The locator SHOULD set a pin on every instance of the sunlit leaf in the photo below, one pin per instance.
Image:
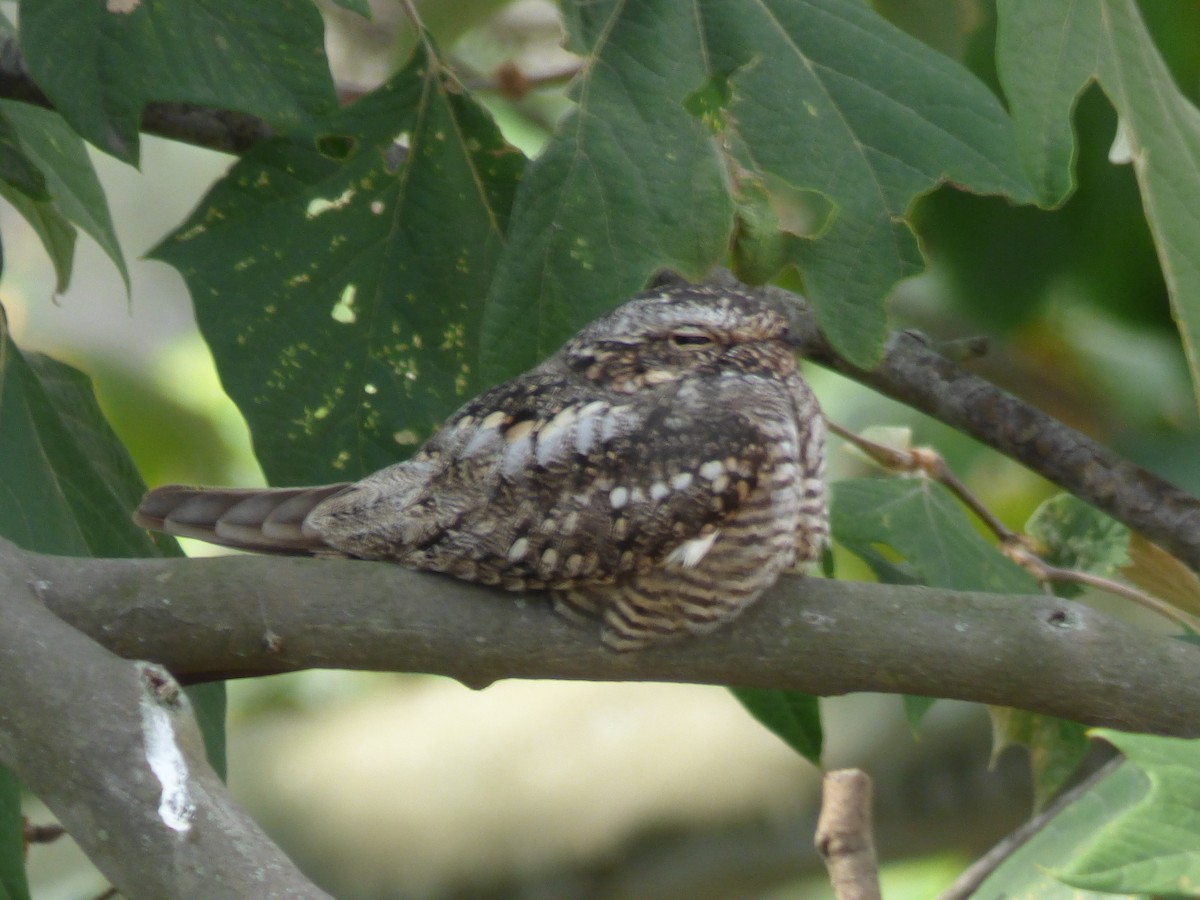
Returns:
(1027, 872)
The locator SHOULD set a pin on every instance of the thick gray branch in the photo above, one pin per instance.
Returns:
(112, 748)
(229, 617)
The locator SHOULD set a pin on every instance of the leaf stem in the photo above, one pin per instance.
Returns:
(1017, 547)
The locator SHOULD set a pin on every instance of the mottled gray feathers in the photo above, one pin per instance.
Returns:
(658, 472)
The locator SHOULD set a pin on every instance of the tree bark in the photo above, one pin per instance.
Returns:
(238, 616)
(112, 748)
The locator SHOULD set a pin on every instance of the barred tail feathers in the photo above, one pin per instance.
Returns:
(269, 520)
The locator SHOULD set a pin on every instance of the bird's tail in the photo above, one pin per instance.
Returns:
(267, 520)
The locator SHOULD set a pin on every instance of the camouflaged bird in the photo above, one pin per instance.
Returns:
(658, 473)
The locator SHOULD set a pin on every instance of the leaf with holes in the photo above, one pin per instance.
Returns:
(840, 118)
(339, 276)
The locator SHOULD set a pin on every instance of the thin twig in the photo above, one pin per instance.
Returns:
(1017, 547)
(969, 881)
(410, 10)
(510, 82)
(43, 834)
(845, 837)
(1045, 572)
(930, 463)
(915, 374)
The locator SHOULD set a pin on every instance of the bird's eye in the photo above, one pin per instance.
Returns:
(690, 338)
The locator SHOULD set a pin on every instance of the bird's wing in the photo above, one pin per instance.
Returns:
(597, 489)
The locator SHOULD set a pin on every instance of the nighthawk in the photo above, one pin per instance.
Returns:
(657, 473)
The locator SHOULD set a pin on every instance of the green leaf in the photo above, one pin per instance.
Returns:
(793, 716)
(1056, 747)
(13, 883)
(77, 486)
(1151, 845)
(17, 170)
(341, 291)
(820, 98)
(921, 521)
(71, 179)
(266, 59)
(52, 228)
(1074, 534)
(1047, 52)
(1045, 57)
(1071, 534)
(208, 703)
(74, 485)
(829, 97)
(362, 7)
(915, 708)
(630, 183)
(1026, 873)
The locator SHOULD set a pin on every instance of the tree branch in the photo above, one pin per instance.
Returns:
(240, 616)
(112, 748)
(845, 835)
(216, 129)
(915, 374)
